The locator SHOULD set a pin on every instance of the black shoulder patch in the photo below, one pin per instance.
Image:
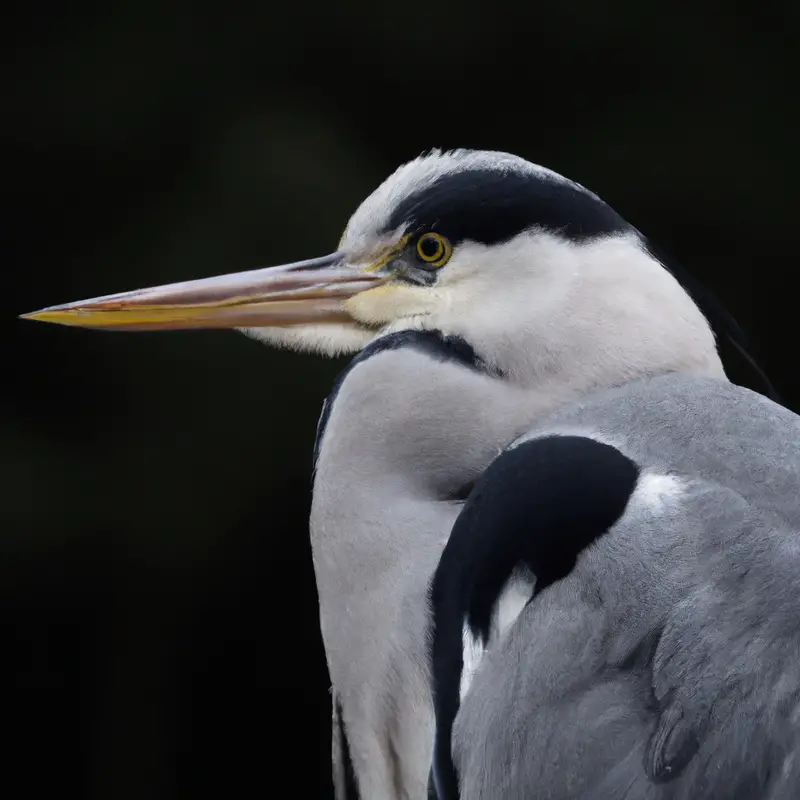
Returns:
(538, 505)
(433, 343)
(492, 205)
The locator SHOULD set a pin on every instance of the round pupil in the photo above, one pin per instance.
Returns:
(430, 247)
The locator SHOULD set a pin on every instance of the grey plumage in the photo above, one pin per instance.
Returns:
(492, 301)
(666, 664)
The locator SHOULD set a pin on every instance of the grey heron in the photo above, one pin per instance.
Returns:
(557, 550)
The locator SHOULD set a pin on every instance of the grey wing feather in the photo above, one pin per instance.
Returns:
(561, 709)
(624, 781)
(709, 709)
(726, 675)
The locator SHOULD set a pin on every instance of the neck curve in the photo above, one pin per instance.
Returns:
(411, 422)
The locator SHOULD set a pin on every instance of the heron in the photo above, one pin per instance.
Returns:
(557, 549)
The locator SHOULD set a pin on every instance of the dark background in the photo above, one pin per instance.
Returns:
(157, 599)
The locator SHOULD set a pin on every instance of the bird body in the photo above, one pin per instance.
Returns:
(554, 545)
(664, 662)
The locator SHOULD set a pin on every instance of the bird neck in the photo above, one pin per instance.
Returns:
(412, 422)
(409, 425)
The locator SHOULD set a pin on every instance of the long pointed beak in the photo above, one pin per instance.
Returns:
(292, 294)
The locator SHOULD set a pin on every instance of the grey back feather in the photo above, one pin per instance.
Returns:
(667, 665)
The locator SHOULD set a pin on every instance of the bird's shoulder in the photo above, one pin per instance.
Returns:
(610, 460)
(664, 518)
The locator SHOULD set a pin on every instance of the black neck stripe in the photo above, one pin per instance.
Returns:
(350, 782)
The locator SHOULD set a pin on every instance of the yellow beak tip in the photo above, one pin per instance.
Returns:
(43, 315)
(34, 315)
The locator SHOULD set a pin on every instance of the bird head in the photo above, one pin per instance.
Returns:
(530, 268)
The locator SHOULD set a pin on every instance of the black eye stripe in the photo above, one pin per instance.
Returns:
(491, 206)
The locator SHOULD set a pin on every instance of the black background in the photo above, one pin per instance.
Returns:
(157, 599)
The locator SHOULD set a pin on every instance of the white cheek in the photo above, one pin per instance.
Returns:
(327, 340)
(387, 304)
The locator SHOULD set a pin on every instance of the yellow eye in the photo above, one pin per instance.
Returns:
(434, 249)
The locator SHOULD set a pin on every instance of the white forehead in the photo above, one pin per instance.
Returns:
(376, 210)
